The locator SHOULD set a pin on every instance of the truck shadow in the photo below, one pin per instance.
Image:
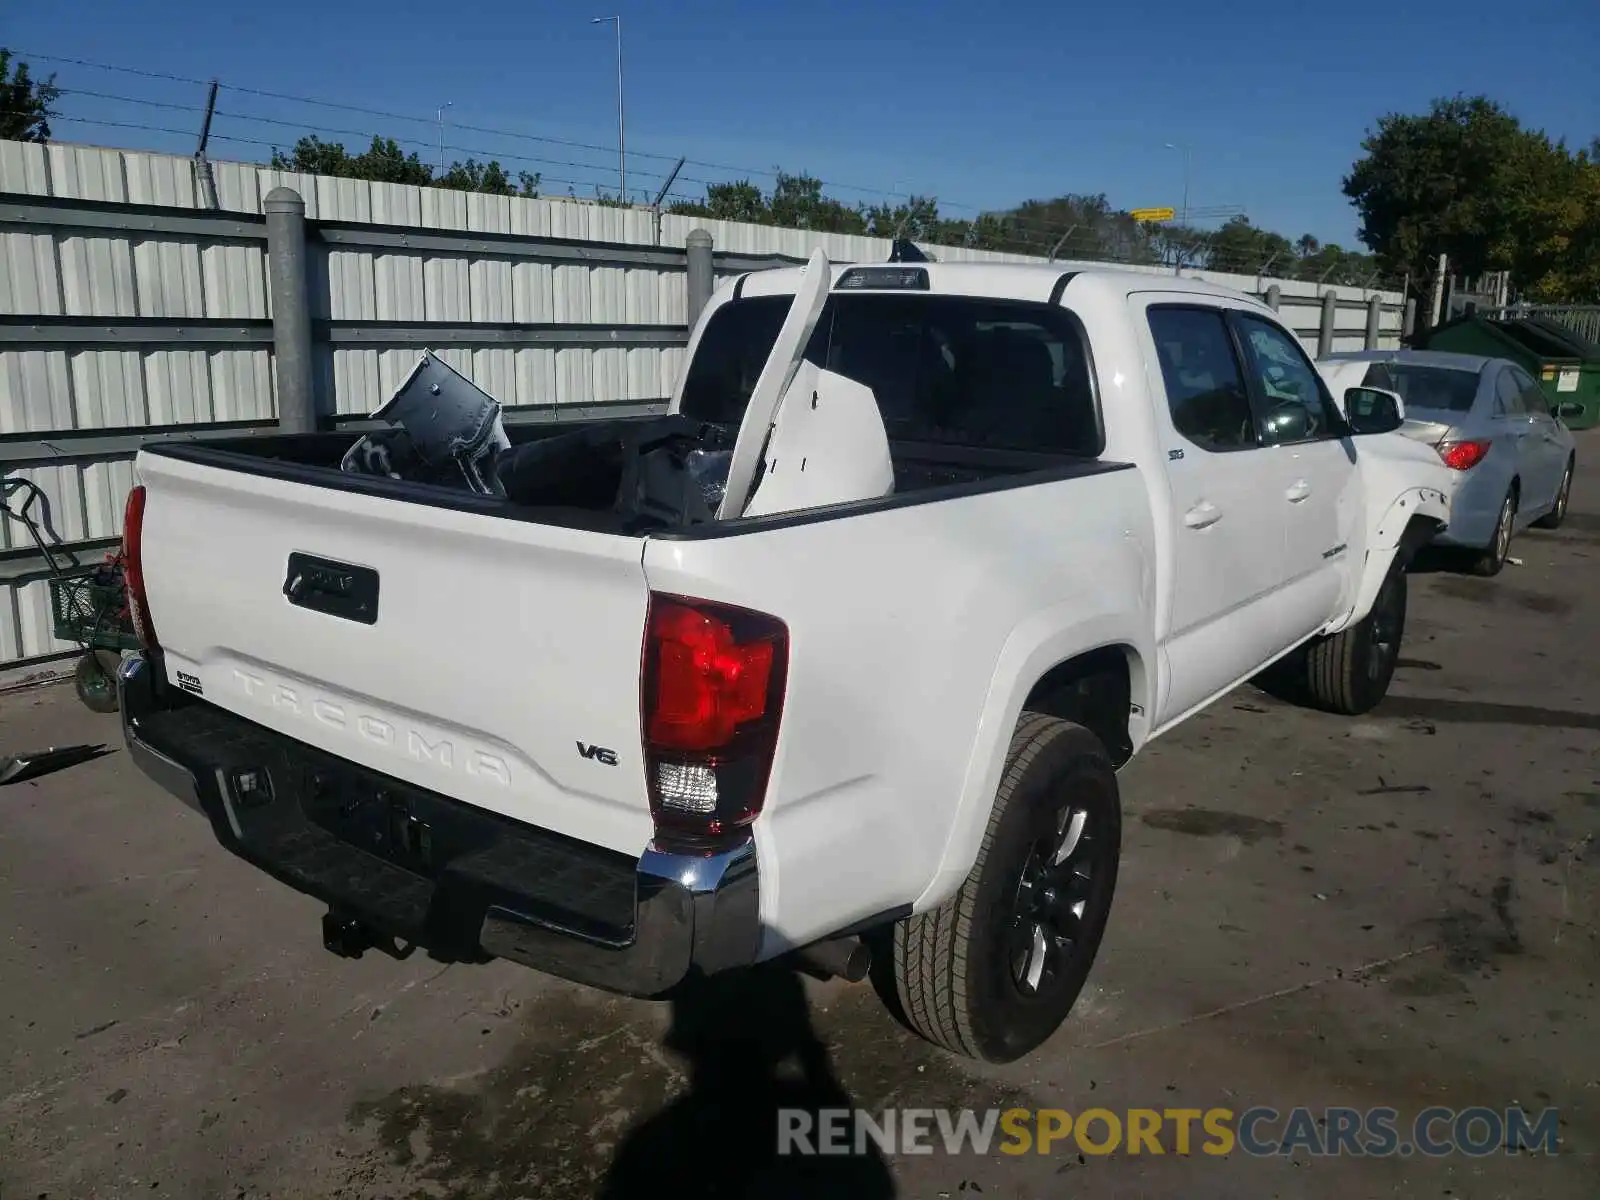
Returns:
(754, 1061)
(1477, 712)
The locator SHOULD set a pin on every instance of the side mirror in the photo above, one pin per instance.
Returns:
(1374, 410)
(1289, 421)
(1568, 409)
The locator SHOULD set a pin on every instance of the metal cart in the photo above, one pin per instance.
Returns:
(88, 604)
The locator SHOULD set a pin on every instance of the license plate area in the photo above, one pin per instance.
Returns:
(394, 822)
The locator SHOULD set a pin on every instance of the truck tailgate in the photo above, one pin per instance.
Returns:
(498, 664)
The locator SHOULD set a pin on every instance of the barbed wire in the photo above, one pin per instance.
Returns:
(97, 122)
(742, 171)
(1105, 236)
(768, 173)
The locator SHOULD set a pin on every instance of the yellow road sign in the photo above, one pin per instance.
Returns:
(1153, 214)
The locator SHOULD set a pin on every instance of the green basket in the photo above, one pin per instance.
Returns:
(92, 614)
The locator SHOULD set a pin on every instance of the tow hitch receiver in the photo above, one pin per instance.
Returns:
(348, 937)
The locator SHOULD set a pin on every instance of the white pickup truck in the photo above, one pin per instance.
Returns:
(872, 703)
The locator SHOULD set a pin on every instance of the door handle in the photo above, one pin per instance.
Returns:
(1201, 515)
(1298, 491)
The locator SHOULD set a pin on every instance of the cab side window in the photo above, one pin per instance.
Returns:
(1205, 388)
(1297, 406)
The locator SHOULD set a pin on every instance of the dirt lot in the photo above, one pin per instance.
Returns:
(1394, 911)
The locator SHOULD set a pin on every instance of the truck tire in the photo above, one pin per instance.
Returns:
(993, 971)
(1349, 672)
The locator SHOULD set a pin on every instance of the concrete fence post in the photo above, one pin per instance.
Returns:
(291, 309)
(1274, 296)
(1374, 321)
(1408, 325)
(1330, 317)
(702, 277)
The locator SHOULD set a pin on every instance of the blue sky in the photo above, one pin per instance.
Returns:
(982, 105)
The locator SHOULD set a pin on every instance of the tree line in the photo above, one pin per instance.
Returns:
(385, 162)
(1465, 179)
(1067, 227)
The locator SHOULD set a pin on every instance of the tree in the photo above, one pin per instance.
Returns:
(490, 177)
(916, 219)
(741, 201)
(26, 104)
(1242, 248)
(385, 162)
(798, 202)
(1468, 181)
(382, 162)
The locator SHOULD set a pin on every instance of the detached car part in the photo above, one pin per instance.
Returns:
(20, 768)
(449, 431)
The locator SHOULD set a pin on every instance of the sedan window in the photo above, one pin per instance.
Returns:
(1534, 400)
(1440, 389)
(1507, 395)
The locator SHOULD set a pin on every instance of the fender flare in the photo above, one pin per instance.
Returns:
(1035, 646)
(1414, 518)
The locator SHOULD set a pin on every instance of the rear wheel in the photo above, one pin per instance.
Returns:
(1493, 558)
(996, 969)
(1349, 672)
(1558, 514)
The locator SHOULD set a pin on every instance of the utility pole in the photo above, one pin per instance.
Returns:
(1436, 309)
(622, 129)
(442, 107)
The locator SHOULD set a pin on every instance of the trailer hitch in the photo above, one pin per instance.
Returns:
(350, 937)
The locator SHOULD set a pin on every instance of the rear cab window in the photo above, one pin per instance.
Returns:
(956, 370)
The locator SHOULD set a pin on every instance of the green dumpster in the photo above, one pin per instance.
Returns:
(1564, 362)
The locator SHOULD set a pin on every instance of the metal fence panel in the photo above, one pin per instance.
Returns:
(93, 313)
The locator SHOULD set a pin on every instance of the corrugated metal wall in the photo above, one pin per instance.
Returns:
(132, 273)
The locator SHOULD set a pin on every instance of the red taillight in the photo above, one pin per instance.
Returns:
(1462, 456)
(133, 568)
(711, 698)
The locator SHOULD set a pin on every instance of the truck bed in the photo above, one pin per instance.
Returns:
(494, 661)
(589, 494)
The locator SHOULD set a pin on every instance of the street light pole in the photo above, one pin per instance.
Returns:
(1187, 158)
(622, 135)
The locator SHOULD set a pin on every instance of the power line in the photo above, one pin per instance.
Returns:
(307, 128)
(228, 137)
(393, 116)
(79, 62)
(301, 126)
(1018, 231)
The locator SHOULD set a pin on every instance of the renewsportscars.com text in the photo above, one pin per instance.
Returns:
(1258, 1131)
